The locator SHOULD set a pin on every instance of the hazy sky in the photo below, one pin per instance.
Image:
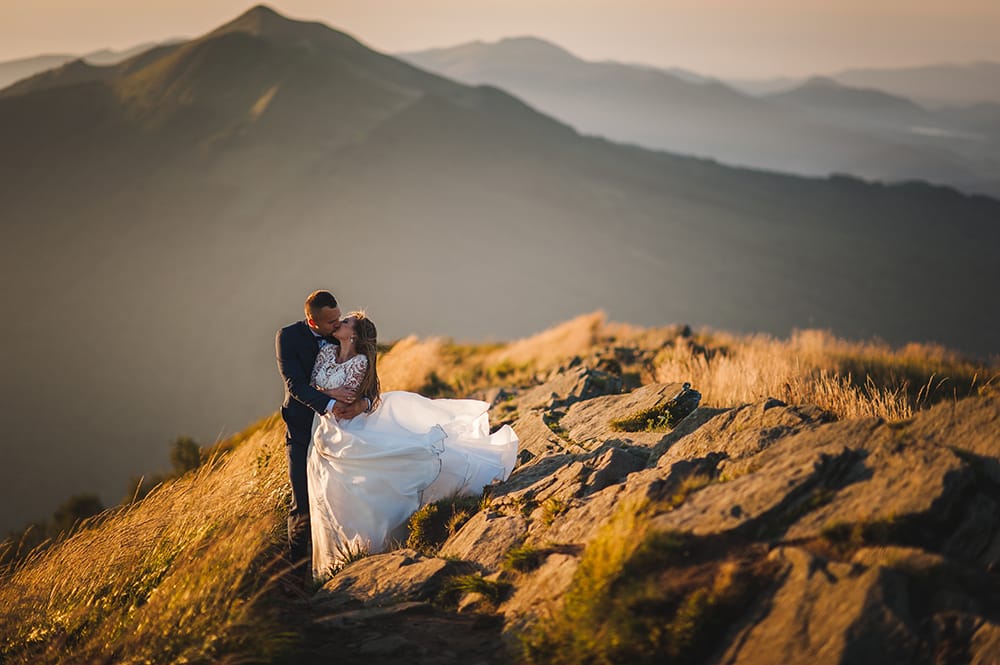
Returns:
(717, 37)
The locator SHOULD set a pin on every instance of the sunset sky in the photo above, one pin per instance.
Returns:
(730, 38)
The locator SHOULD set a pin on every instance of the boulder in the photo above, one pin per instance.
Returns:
(740, 432)
(689, 424)
(393, 577)
(910, 487)
(970, 425)
(539, 593)
(569, 386)
(485, 539)
(825, 612)
(565, 477)
(757, 496)
(537, 437)
(588, 423)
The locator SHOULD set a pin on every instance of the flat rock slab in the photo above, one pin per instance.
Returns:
(828, 613)
(764, 488)
(562, 478)
(393, 577)
(568, 387)
(485, 539)
(588, 423)
(539, 594)
(859, 472)
(743, 431)
(693, 421)
(582, 520)
(971, 425)
(538, 438)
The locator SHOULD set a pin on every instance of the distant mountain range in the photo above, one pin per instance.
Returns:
(933, 86)
(860, 122)
(815, 127)
(15, 70)
(163, 216)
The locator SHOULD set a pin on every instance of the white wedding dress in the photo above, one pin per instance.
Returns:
(367, 475)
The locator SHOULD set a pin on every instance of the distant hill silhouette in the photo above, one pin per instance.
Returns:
(934, 85)
(15, 70)
(816, 127)
(826, 95)
(165, 215)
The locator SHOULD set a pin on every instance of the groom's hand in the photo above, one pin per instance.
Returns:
(347, 411)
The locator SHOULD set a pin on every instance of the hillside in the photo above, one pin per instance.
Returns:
(945, 84)
(12, 71)
(165, 215)
(816, 128)
(853, 516)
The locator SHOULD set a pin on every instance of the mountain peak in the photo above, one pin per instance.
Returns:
(258, 20)
(822, 82)
(533, 46)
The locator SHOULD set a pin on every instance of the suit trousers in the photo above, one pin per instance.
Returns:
(299, 538)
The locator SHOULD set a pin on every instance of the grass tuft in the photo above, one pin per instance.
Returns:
(433, 524)
(454, 588)
(653, 419)
(523, 558)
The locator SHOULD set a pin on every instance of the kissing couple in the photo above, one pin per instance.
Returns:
(360, 461)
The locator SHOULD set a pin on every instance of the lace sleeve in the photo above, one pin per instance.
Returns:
(356, 372)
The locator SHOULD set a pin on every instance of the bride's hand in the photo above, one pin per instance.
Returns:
(340, 394)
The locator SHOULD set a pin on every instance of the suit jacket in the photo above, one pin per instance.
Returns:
(297, 348)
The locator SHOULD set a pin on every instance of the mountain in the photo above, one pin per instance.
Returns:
(932, 85)
(812, 128)
(15, 70)
(825, 95)
(165, 215)
(765, 86)
(680, 527)
(966, 138)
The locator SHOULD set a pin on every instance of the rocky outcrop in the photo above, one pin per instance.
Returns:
(853, 541)
(383, 579)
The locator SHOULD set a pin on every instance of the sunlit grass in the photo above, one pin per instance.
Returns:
(851, 379)
(175, 577)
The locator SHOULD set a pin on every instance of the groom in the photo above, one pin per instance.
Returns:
(297, 346)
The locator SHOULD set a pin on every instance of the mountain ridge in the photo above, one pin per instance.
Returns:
(868, 133)
(446, 209)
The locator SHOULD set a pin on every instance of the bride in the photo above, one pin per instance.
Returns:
(367, 475)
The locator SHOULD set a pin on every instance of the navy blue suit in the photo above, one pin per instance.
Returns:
(297, 347)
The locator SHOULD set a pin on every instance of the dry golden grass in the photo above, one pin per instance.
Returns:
(852, 379)
(409, 363)
(550, 348)
(172, 578)
(444, 368)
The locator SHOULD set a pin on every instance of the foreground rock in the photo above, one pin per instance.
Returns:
(384, 579)
(763, 533)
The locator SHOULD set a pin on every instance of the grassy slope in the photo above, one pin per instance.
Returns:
(185, 574)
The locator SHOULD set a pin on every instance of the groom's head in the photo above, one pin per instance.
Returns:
(322, 312)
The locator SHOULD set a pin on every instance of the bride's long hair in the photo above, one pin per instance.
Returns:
(366, 342)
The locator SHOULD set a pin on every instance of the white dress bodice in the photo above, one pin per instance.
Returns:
(328, 373)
